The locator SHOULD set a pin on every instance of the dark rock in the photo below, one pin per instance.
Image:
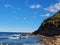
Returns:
(50, 26)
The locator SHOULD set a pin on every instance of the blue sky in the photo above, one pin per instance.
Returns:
(25, 15)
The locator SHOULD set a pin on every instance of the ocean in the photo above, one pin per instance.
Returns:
(15, 38)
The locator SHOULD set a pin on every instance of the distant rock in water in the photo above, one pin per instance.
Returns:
(50, 26)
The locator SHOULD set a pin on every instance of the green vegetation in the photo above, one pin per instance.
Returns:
(50, 26)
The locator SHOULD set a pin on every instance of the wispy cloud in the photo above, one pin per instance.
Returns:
(11, 6)
(35, 6)
(45, 15)
(53, 8)
(8, 6)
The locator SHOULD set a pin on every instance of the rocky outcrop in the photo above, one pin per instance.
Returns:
(50, 26)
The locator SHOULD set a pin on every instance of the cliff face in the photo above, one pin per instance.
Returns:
(50, 26)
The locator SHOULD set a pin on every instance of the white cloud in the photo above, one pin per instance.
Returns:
(38, 6)
(46, 15)
(53, 8)
(35, 6)
(8, 6)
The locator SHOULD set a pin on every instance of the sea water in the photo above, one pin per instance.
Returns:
(5, 38)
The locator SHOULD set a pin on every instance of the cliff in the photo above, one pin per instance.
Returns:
(50, 26)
